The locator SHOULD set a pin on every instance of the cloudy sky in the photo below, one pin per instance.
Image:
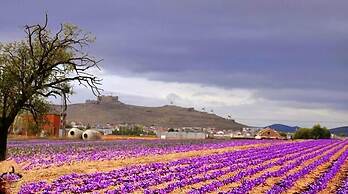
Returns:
(262, 62)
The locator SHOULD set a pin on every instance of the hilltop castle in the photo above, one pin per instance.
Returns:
(105, 100)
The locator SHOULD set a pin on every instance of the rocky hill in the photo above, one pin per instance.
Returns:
(113, 111)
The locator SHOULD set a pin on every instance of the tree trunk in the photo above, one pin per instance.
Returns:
(3, 139)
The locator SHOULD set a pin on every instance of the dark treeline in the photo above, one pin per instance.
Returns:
(134, 131)
(316, 132)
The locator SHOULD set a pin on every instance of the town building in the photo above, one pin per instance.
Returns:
(24, 124)
(181, 135)
(51, 124)
(268, 133)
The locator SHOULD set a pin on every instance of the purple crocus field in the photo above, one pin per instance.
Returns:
(40, 154)
(264, 166)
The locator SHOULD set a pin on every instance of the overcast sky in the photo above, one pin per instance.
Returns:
(262, 62)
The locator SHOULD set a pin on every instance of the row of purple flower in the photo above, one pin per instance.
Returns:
(44, 154)
(179, 174)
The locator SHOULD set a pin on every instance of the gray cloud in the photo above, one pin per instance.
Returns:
(274, 47)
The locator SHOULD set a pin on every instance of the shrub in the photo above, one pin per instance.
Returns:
(303, 133)
(317, 132)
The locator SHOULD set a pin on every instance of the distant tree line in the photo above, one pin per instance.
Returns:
(132, 131)
(316, 132)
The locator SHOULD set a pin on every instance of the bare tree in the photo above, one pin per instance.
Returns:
(42, 65)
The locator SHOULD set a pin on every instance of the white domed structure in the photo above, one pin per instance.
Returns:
(91, 135)
(75, 133)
